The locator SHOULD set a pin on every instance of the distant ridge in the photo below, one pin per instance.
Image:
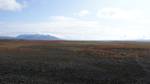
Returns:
(36, 37)
(30, 37)
(6, 38)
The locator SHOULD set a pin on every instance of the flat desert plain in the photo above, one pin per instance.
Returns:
(74, 62)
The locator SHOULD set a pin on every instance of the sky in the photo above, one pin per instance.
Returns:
(77, 19)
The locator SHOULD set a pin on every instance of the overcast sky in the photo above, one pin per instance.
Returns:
(77, 19)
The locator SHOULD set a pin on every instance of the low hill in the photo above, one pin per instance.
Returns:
(36, 37)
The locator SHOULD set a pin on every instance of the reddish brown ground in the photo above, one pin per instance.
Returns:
(74, 62)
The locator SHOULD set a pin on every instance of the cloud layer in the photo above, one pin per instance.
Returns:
(120, 14)
(83, 13)
(10, 5)
(78, 29)
(106, 24)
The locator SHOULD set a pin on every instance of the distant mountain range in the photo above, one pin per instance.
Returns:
(6, 37)
(30, 37)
